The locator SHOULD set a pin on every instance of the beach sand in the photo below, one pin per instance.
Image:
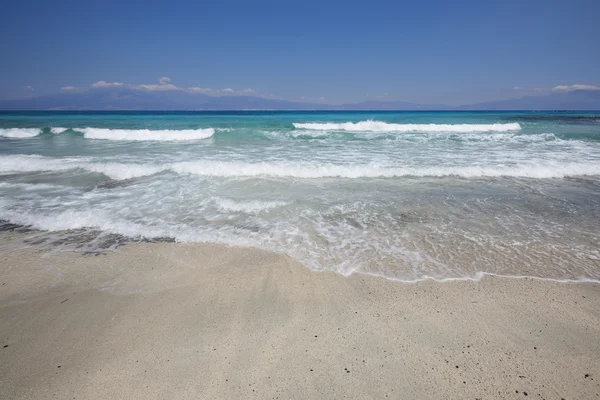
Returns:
(166, 320)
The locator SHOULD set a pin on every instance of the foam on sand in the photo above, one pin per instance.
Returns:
(378, 126)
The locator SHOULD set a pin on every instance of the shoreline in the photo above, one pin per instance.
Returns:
(111, 243)
(156, 320)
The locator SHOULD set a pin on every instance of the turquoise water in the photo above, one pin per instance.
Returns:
(404, 195)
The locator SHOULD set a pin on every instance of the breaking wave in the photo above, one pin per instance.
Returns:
(378, 126)
(35, 163)
(19, 133)
(302, 170)
(146, 134)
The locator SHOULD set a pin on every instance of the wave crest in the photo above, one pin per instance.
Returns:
(19, 133)
(35, 163)
(302, 170)
(379, 126)
(146, 134)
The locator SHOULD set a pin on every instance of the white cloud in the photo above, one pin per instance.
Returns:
(67, 88)
(201, 90)
(569, 88)
(220, 92)
(102, 84)
(154, 86)
(517, 88)
(164, 84)
(29, 88)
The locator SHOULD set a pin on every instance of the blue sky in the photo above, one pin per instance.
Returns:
(331, 51)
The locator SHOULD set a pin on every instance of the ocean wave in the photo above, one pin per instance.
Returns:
(30, 187)
(379, 126)
(19, 133)
(58, 131)
(313, 171)
(476, 138)
(146, 134)
(302, 170)
(35, 163)
(75, 219)
(118, 171)
(420, 137)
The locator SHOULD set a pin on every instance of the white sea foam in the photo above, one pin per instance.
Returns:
(251, 206)
(476, 138)
(106, 221)
(30, 187)
(146, 134)
(120, 171)
(344, 256)
(424, 137)
(343, 199)
(478, 276)
(309, 170)
(34, 163)
(233, 169)
(72, 219)
(19, 133)
(378, 126)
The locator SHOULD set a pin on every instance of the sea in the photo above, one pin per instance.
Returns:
(402, 195)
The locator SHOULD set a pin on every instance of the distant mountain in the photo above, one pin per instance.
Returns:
(132, 99)
(390, 105)
(135, 99)
(574, 100)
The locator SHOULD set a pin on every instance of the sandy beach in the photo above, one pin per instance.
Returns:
(300, 200)
(206, 321)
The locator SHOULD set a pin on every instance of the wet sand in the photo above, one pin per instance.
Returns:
(166, 320)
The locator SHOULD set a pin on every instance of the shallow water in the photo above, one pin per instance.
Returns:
(404, 195)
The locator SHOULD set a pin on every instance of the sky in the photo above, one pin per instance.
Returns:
(436, 52)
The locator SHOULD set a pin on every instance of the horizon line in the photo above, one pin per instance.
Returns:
(561, 110)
